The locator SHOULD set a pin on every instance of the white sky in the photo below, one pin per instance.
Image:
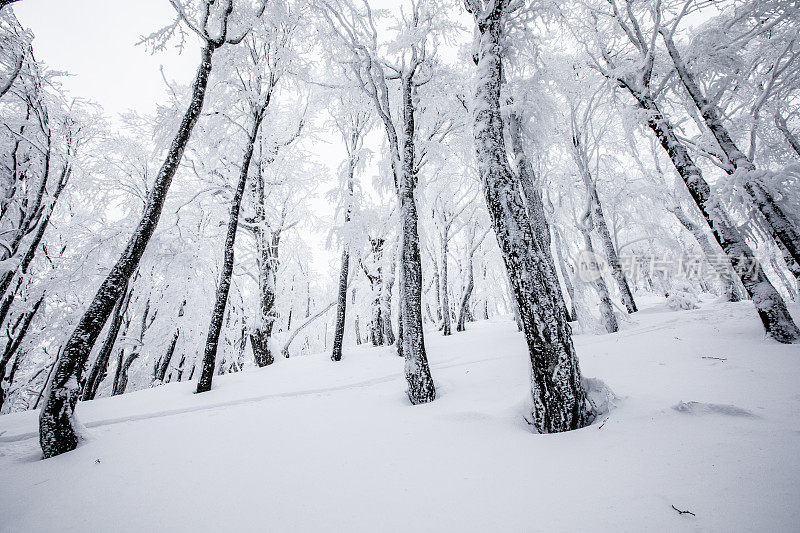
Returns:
(94, 40)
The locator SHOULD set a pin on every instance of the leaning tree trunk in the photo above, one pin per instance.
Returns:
(418, 374)
(780, 122)
(770, 306)
(781, 228)
(727, 282)
(463, 311)
(533, 200)
(100, 366)
(606, 307)
(20, 330)
(341, 306)
(218, 314)
(57, 433)
(599, 222)
(559, 401)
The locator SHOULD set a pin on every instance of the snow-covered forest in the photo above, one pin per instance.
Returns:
(474, 265)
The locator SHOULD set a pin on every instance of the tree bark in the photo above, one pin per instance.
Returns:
(341, 306)
(559, 401)
(444, 237)
(221, 300)
(607, 315)
(100, 366)
(770, 306)
(780, 123)
(418, 375)
(533, 199)
(57, 432)
(781, 228)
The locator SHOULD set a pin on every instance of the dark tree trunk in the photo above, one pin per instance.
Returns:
(533, 200)
(780, 122)
(444, 238)
(121, 377)
(100, 366)
(163, 365)
(559, 401)
(341, 306)
(771, 308)
(418, 375)
(14, 343)
(781, 228)
(56, 422)
(218, 314)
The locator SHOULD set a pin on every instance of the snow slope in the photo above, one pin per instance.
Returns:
(312, 445)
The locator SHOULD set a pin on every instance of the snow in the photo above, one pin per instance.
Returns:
(705, 420)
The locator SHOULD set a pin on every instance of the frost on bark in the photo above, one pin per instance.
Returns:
(783, 231)
(599, 219)
(607, 315)
(418, 374)
(710, 249)
(218, 313)
(374, 274)
(57, 432)
(341, 306)
(446, 323)
(100, 365)
(559, 401)
(790, 137)
(531, 192)
(771, 308)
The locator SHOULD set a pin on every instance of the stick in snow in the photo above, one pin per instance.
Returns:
(683, 512)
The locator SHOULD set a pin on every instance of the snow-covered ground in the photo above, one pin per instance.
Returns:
(708, 421)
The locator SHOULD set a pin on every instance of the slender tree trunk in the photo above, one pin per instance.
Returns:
(100, 366)
(606, 307)
(386, 305)
(599, 223)
(464, 309)
(780, 122)
(420, 384)
(782, 229)
(338, 334)
(710, 249)
(57, 432)
(771, 308)
(559, 401)
(533, 199)
(567, 276)
(121, 379)
(14, 343)
(444, 237)
(218, 314)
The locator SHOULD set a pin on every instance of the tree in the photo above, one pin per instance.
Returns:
(636, 79)
(57, 432)
(559, 401)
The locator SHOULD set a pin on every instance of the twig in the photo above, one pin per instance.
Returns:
(683, 512)
(717, 358)
(603, 424)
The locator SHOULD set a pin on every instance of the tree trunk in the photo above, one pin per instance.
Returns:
(100, 366)
(418, 376)
(533, 200)
(599, 222)
(727, 282)
(218, 314)
(386, 305)
(771, 308)
(780, 122)
(781, 228)
(559, 401)
(121, 378)
(463, 311)
(341, 305)
(567, 276)
(14, 343)
(606, 307)
(56, 422)
(444, 237)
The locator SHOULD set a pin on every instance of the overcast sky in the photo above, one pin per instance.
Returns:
(94, 40)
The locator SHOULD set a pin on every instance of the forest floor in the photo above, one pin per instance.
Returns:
(706, 420)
